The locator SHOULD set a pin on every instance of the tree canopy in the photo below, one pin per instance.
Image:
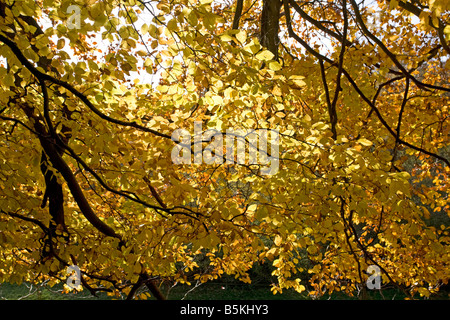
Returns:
(357, 93)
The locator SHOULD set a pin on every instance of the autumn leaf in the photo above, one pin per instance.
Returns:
(330, 146)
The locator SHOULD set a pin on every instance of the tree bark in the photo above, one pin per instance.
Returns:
(270, 25)
(238, 13)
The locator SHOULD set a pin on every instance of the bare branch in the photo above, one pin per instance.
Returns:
(389, 53)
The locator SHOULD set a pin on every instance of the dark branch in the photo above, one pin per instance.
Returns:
(238, 14)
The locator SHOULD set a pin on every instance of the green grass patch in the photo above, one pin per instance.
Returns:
(214, 290)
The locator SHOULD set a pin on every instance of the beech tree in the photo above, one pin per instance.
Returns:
(91, 93)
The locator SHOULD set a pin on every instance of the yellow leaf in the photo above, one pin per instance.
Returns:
(424, 292)
(274, 65)
(137, 268)
(277, 263)
(217, 100)
(311, 249)
(365, 142)
(61, 43)
(264, 55)
(144, 29)
(393, 4)
(172, 25)
(394, 37)
(277, 240)
(226, 37)
(447, 32)
(299, 83)
(192, 18)
(8, 80)
(241, 36)
(300, 288)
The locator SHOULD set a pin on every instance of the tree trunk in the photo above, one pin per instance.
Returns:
(270, 21)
